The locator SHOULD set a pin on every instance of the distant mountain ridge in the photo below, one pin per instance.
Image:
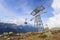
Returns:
(9, 27)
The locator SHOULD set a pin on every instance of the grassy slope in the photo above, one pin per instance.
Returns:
(46, 35)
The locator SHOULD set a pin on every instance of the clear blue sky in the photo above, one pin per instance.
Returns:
(10, 9)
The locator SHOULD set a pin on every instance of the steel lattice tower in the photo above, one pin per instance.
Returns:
(37, 18)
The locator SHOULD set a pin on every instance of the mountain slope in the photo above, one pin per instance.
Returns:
(8, 27)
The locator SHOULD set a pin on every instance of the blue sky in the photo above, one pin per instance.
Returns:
(14, 11)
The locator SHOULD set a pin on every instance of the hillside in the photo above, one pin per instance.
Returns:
(46, 35)
(10, 27)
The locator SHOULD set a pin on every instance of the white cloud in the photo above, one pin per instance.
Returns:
(56, 6)
(55, 20)
(18, 21)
